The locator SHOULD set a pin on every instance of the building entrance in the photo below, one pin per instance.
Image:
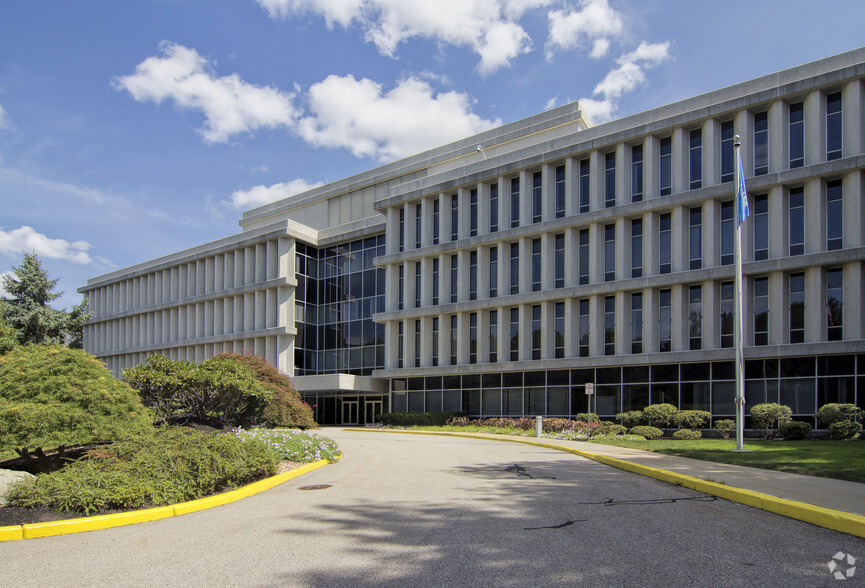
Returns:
(373, 409)
(349, 412)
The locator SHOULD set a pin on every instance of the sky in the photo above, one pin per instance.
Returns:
(131, 130)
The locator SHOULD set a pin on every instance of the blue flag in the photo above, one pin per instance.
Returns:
(742, 194)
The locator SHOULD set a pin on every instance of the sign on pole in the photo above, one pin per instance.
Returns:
(590, 388)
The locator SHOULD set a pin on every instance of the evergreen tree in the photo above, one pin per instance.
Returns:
(28, 311)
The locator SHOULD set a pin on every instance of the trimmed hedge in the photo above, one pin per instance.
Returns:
(687, 435)
(794, 430)
(648, 433)
(844, 430)
(417, 419)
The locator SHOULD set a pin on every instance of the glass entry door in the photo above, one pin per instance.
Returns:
(373, 409)
(349, 412)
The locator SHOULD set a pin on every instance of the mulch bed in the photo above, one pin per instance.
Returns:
(13, 515)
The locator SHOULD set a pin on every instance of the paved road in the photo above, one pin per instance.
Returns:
(410, 510)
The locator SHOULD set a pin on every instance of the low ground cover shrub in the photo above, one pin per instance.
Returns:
(794, 430)
(164, 466)
(650, 433)
(769, 416)
(844, 430)
(412, 419)
(687, 435)
(294, 445)
(725, 427)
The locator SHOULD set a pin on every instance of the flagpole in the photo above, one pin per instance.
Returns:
(737, 319)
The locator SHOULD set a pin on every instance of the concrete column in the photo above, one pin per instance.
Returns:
(680, 225)
(410, 211)
(711, 152)
(427, 221)
(548, 264)
(815, 216)
(572, 327)
(504, 268)
(200, 277)
(548, 198)
(392, 230)
(679, 144)
(623, 248)
(778, 229)
(571, 256)
(711, 328)
(651, 335)
(596, 325)
(779, 136)
(270, 308)
(228, 267)
(504, 203)
(209, 275)
(596, 253)
(484, 272)
(743, 125)
(854, 212)
(651, 160)
(525, 265)
(525, 198)
(815, 305)
(525, 332)
(462, 338)
(444, 218)
(572, 178)
(464, 212)
(426, 341)
(853, 121)
(623, 323)
(391, 336)
(426, 275)
(260, 262)
(483, 208)
(679, 323)
(596, 180)
(623, 173)
(651, 244)
(272, 269)
(712, 234)
(208, 318)
(548, 329)
(504, 338)
(779, 311)
(463, 272)
(853, 327)
(814, 112)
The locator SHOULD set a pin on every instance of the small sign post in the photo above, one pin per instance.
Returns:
(590, 392)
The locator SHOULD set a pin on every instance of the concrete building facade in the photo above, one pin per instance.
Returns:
(501, 273)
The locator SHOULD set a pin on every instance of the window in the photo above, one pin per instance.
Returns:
(417, 225)
(665, 246)
(665, 318)
(797, 308)
(494, 272)
(536, 331)
(761, 311)
(727, 313)
(761, 143)
(515, 334)
(435, 341)
(455, 217)
(560, 330)
(417, 287)
(560, 260)
(473, 213)
(473, 275)
(636, 248)
(453, 350)
(454, 277)
(435, 281)
(761, 227)
(797, 135)
(494, 336)
(695, 238)
(609, 253)
(834, 304)
(585, 195)
(665, 167)
(537, 197)
(494, 208)
(797, 221)
(727, 134)
(436, 206)
(728, 233)
(401, 287)
(515, 202)
(610, 180)
(833, 126)
(609, 325)
(834, 216)
(637, 322)
(402, 229)
(515, 268)
(536, 265)
(584, 256)
(584, 328)
(560, 191)
(417, 343)
(473, 337)
(695, 317)
(636, 173)
(399, 344)
(695, 159)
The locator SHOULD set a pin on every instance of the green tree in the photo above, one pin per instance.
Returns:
(28, 310)
(8, 337)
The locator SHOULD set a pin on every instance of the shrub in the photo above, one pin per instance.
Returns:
(611, 430)
(725, 426)
(630, 418)
(588, 417)
(692, 419)
(649, 433)
(794, 430)
(769, 416)
(844, 430)
(294, 445)
(834, 413)
(284, 408)
(661, 415)
(8, 337)
(422, 419)
(218, 388)
(687, 435)
(51, 395)
(165, 466)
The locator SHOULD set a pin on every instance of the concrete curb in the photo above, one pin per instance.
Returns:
(34, 530)
(836, 520)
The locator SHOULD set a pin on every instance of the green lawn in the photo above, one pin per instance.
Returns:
(842, 460)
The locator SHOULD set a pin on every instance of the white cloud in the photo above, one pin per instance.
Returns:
(594, 23)
(258, 195)
(4, 118)
(359, 116)
(230, 105)
(552, 102)
(27, 239)
(596, 111)
(490, 28)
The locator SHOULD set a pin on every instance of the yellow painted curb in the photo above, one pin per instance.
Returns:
(836, 520)
(65, 527)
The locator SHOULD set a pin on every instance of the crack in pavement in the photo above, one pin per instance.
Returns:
(614, 502)
(567, 523)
